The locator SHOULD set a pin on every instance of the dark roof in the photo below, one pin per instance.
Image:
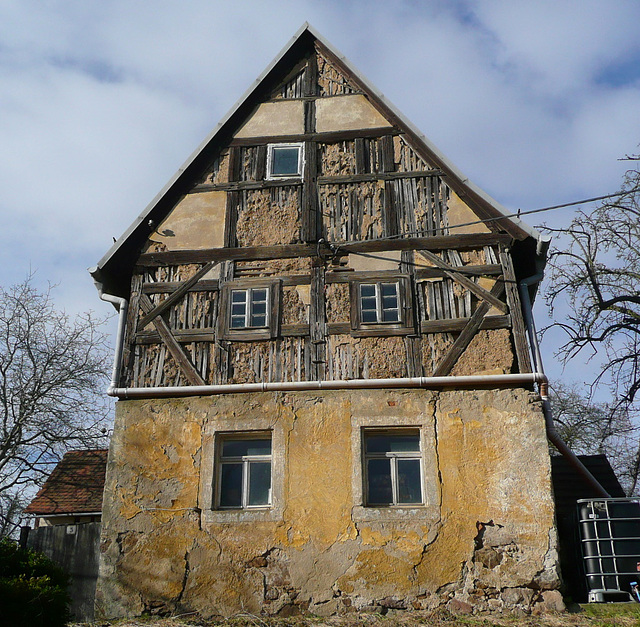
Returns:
(569, 486)
(113, 271)
(75, 486)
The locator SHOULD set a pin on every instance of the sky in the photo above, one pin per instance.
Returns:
(101, 101)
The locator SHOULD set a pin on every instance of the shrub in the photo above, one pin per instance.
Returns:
(33, 590)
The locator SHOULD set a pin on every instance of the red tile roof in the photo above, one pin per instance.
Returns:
(75, 485)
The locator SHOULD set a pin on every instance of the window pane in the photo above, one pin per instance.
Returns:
(259, 483)
(368, 302)
(238, 296)
(379, 481)
(390, 302)
(258, 321)
(367, 290)
(409, 488)
(259, 308)
(237, 322)
(231, 485)
(237, 309)
(369, 315)
(393, 443)
(390, 315)
(258, 295)
(284, 161)
(240, 448)
(389, 289)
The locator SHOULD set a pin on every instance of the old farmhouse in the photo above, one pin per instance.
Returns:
(326, 392)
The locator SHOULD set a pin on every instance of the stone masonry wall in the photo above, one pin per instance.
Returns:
(485, 536)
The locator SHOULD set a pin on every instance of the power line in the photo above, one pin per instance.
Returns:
(514, 215)
(335, 248)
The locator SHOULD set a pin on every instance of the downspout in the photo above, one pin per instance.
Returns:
(122, 305)
(552, 434)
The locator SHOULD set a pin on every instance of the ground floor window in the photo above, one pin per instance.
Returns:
(244, 471)
(392, 467)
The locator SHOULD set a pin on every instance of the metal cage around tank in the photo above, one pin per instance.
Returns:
(610, 537)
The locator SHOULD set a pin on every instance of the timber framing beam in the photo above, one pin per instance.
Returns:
(172, 344)
(176, 295)
(472, 286)
(328, 137)
(442, 242)
(467, 334)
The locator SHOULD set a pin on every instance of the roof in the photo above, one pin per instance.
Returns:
(75, 486)
(113, 271)
(569, 486)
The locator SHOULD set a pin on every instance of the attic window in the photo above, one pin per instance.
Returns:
(249, 308)
(284, 161)
(379, 303)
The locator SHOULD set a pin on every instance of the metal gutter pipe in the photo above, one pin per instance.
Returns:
(351, 384)
(122, 305)
(552, 434)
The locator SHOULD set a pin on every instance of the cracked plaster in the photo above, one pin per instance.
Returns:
(318, 548)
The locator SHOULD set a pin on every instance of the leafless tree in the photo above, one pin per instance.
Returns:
(53, 369)
(594, 292)
(589, 428)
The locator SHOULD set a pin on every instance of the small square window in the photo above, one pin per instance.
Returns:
(284, 161)
(379, 303)
(382, 305)
(249, 308)
(244, 471)
(393, 468)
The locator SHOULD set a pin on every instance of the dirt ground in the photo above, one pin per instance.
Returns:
(601, 615)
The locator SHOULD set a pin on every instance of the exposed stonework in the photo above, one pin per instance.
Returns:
(476, 541)
(337, 302)
(269, 217)
(489, 353)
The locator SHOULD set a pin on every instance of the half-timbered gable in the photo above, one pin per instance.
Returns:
(318, 192)
(325, 379)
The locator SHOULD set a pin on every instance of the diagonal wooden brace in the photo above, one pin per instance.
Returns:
(472, 286)
(175, 295)
(467, 334)
(172, 344)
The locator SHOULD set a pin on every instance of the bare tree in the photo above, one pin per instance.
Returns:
(590, 428)
(597, 275)
(52, 374)
(594, 296)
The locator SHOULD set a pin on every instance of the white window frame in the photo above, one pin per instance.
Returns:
(393, 457)
(246, 461)
(248, 304)
(377, 285)
(270, 150)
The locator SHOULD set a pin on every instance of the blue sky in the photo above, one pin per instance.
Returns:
(101, 102)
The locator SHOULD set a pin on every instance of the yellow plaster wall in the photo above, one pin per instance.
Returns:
(197, 221)
(487, 481)
(384, 260)
(285, 117)
(347, 113)
(459, 213)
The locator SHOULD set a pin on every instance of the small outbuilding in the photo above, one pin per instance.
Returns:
(72, 494)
